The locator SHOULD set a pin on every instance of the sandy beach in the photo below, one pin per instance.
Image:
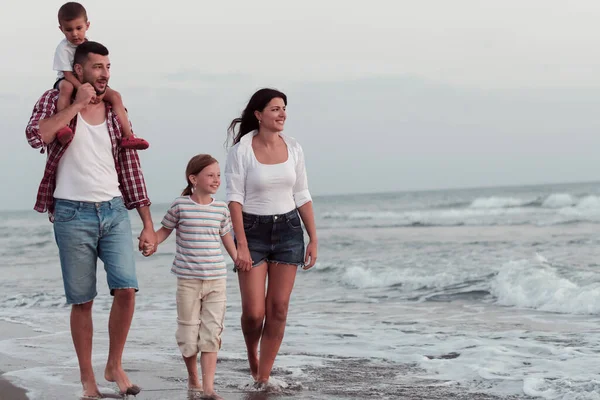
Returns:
(8, 391)
(163, 382)
(441, 295)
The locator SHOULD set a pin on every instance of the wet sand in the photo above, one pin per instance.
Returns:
(8, 391)
(346, 378)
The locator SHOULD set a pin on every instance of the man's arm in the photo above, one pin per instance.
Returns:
(147, 239)
(43, 109)
(45, 121)
(135, 195)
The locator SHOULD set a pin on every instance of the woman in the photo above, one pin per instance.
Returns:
(267, 193)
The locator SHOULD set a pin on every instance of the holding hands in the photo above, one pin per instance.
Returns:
(148, 242)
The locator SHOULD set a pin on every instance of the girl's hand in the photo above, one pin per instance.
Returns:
(311, 255)
(243, 261)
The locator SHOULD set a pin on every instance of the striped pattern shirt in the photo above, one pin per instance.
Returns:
(127, 162)
(199, 228)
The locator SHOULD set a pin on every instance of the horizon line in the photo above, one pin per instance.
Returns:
(393, 191)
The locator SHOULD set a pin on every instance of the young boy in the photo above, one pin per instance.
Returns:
(73, 23)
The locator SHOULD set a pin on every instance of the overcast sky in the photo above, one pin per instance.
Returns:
(383, 95)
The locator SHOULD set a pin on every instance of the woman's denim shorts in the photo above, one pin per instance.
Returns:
(275, 238)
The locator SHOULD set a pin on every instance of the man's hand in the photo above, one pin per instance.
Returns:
(147, 241)
(85, 94)
(149, 249)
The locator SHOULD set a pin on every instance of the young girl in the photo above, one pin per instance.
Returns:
(201, 223)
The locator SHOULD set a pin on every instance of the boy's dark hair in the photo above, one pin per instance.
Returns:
(84, 49)
(70, 11)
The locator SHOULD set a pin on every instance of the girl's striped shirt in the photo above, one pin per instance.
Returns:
(199, 228)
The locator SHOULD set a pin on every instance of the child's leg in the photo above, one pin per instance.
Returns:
(212, 313)
(208, 363)
(188, 325)
(191, 363)
(114, 98)
(128, 141)
(66, 92)
(65, 134)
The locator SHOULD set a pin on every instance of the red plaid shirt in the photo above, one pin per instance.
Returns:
(127, 162)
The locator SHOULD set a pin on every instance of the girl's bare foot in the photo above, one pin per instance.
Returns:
(195, 392)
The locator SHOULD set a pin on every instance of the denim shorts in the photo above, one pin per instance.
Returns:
(57, 83)
(275, 238)
(87, 231)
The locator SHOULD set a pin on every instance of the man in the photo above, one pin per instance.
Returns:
(87, 187)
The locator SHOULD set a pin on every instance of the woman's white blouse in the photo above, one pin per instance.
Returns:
(266, 189)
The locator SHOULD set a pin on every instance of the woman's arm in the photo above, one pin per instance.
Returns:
(244, 260)
(308, 217)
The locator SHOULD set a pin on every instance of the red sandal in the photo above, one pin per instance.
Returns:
(135, 143)
(64, 135)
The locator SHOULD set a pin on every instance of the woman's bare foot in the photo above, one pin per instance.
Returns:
(253, 361)
(211, 396)
(118, 376)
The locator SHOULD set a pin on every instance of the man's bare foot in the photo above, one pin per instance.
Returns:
(118, 376)
(90, 388)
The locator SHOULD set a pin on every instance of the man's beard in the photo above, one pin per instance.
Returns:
(98, 92)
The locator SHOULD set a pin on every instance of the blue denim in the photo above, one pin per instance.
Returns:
(87, 231)
(275, 238)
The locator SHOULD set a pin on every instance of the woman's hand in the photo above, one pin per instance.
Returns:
(243, 261)
(311, 255)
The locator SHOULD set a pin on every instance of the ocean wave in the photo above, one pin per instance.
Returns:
(34, 300)
(555, 209)
(554, 389)
(415, 282)
(559, 200)
(538, 285)
(502, 202)
(534, 284)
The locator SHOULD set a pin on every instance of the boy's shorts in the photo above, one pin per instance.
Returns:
(200, 314)
(57, 83)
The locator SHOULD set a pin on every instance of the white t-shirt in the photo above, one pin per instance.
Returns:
(86, 171)
(63, 58)
(266, 189)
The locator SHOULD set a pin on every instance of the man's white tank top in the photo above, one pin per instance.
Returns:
(86, 171)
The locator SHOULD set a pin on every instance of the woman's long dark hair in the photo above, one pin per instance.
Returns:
(248, 122)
